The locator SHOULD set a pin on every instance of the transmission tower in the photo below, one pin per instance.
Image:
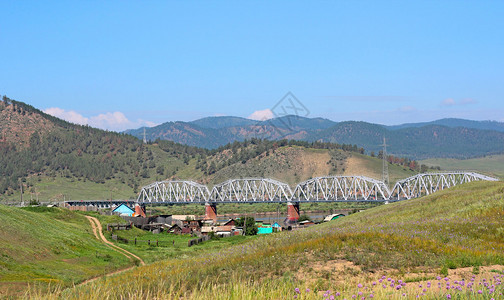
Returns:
(385, 174)
(144, 138)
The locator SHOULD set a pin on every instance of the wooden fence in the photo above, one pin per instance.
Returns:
(198, 240)
(136, 241)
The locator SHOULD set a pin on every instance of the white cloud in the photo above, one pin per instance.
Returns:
(261, 115)
(70, 116)
(468, 101)
(146, 123)
(448, 102)
(407, 109)
(452, 102)
(115, 121)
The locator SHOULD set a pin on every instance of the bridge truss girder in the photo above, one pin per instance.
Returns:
(251, 190)
(428, 183)
(328, 188)
(341, 188)
(178, 191)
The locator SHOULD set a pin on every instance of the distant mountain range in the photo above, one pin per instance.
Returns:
(455, 138)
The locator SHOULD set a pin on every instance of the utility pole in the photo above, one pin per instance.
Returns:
(21, 186)
(385, 174)
(144, 137)
(245, 226)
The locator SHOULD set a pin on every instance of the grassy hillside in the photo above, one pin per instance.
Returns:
(493, 165)
(50, 246)
(451, 242)
(359, 164)
(46, 247)
(291, 164)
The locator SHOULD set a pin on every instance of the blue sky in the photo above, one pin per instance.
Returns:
(123, 64)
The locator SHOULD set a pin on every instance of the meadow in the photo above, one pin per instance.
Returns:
(49, 246)
(493, 164)
(54, 247)
(446, 245)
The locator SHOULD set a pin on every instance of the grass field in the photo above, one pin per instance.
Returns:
(450, 244)
(50, 245)
(492, 165)
(56, 247)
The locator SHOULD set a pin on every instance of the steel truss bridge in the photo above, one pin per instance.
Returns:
(320, 189)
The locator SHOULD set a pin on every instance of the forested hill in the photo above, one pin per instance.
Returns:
(54, 160)
(36, 144)
(417, 142)
(453, 138)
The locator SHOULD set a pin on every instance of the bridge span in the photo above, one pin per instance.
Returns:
(321, 189)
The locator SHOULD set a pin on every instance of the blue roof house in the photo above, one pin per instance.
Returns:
(124, 210)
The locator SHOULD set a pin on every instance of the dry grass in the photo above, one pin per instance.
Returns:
(445, 234)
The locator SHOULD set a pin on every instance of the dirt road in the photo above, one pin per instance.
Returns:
(97, 230)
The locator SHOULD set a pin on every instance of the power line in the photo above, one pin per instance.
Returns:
(385, 173)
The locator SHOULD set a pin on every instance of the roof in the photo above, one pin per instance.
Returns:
(206, 229)
(228, 221)
(332, 217)
(183, 217)
(123, 208)
(306, 222)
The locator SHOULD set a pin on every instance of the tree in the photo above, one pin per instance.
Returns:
(250, 227)
(304, 217)
(212, 168)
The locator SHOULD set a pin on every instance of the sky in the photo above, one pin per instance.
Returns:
(125, 64)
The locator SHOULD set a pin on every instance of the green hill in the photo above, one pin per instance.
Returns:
(454, 122)
(50, 246)
(493, 164)
(456, 234)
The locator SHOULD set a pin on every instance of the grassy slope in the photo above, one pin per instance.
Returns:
(50, 245)
(493, 165)
(459, 227)
(40, 245)
(59, 187)
(359, 164)
(295, 164)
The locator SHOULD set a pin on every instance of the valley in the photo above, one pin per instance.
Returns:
(48, 251)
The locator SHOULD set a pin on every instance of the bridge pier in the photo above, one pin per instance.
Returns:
(211, 211)
(292, 212)
(140, 210)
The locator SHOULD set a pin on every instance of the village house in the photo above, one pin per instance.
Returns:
(123, 210)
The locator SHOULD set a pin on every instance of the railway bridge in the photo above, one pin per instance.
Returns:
(320, 189)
